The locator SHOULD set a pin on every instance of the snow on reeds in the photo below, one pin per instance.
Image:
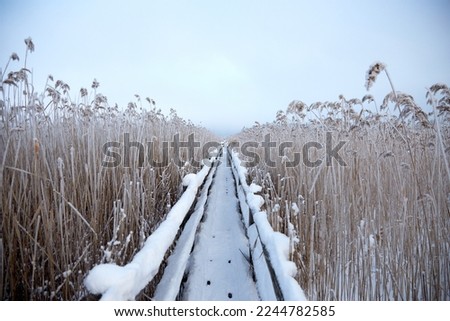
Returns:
(376, 227)
(62, 211)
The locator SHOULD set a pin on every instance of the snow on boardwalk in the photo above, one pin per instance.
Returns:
(219, 269)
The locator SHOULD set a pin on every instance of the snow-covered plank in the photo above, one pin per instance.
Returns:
(220, 268)
(169, 286)
(115, 282)
(277, 246)
(279, 272)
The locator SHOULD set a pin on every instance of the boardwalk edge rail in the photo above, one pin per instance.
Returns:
(274, 272)
(170, 286)
(120, 283)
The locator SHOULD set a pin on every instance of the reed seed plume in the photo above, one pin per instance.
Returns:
(374, 70)
(29, 43)
(14, 56)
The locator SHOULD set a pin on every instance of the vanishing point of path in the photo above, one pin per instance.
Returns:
(219, 268)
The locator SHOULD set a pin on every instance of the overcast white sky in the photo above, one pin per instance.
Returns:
(226, 64)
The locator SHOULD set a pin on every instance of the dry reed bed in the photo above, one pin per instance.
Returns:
(376, 229)
(62, 211)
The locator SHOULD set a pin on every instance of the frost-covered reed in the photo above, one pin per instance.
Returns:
(377, 228)
(62, 211)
